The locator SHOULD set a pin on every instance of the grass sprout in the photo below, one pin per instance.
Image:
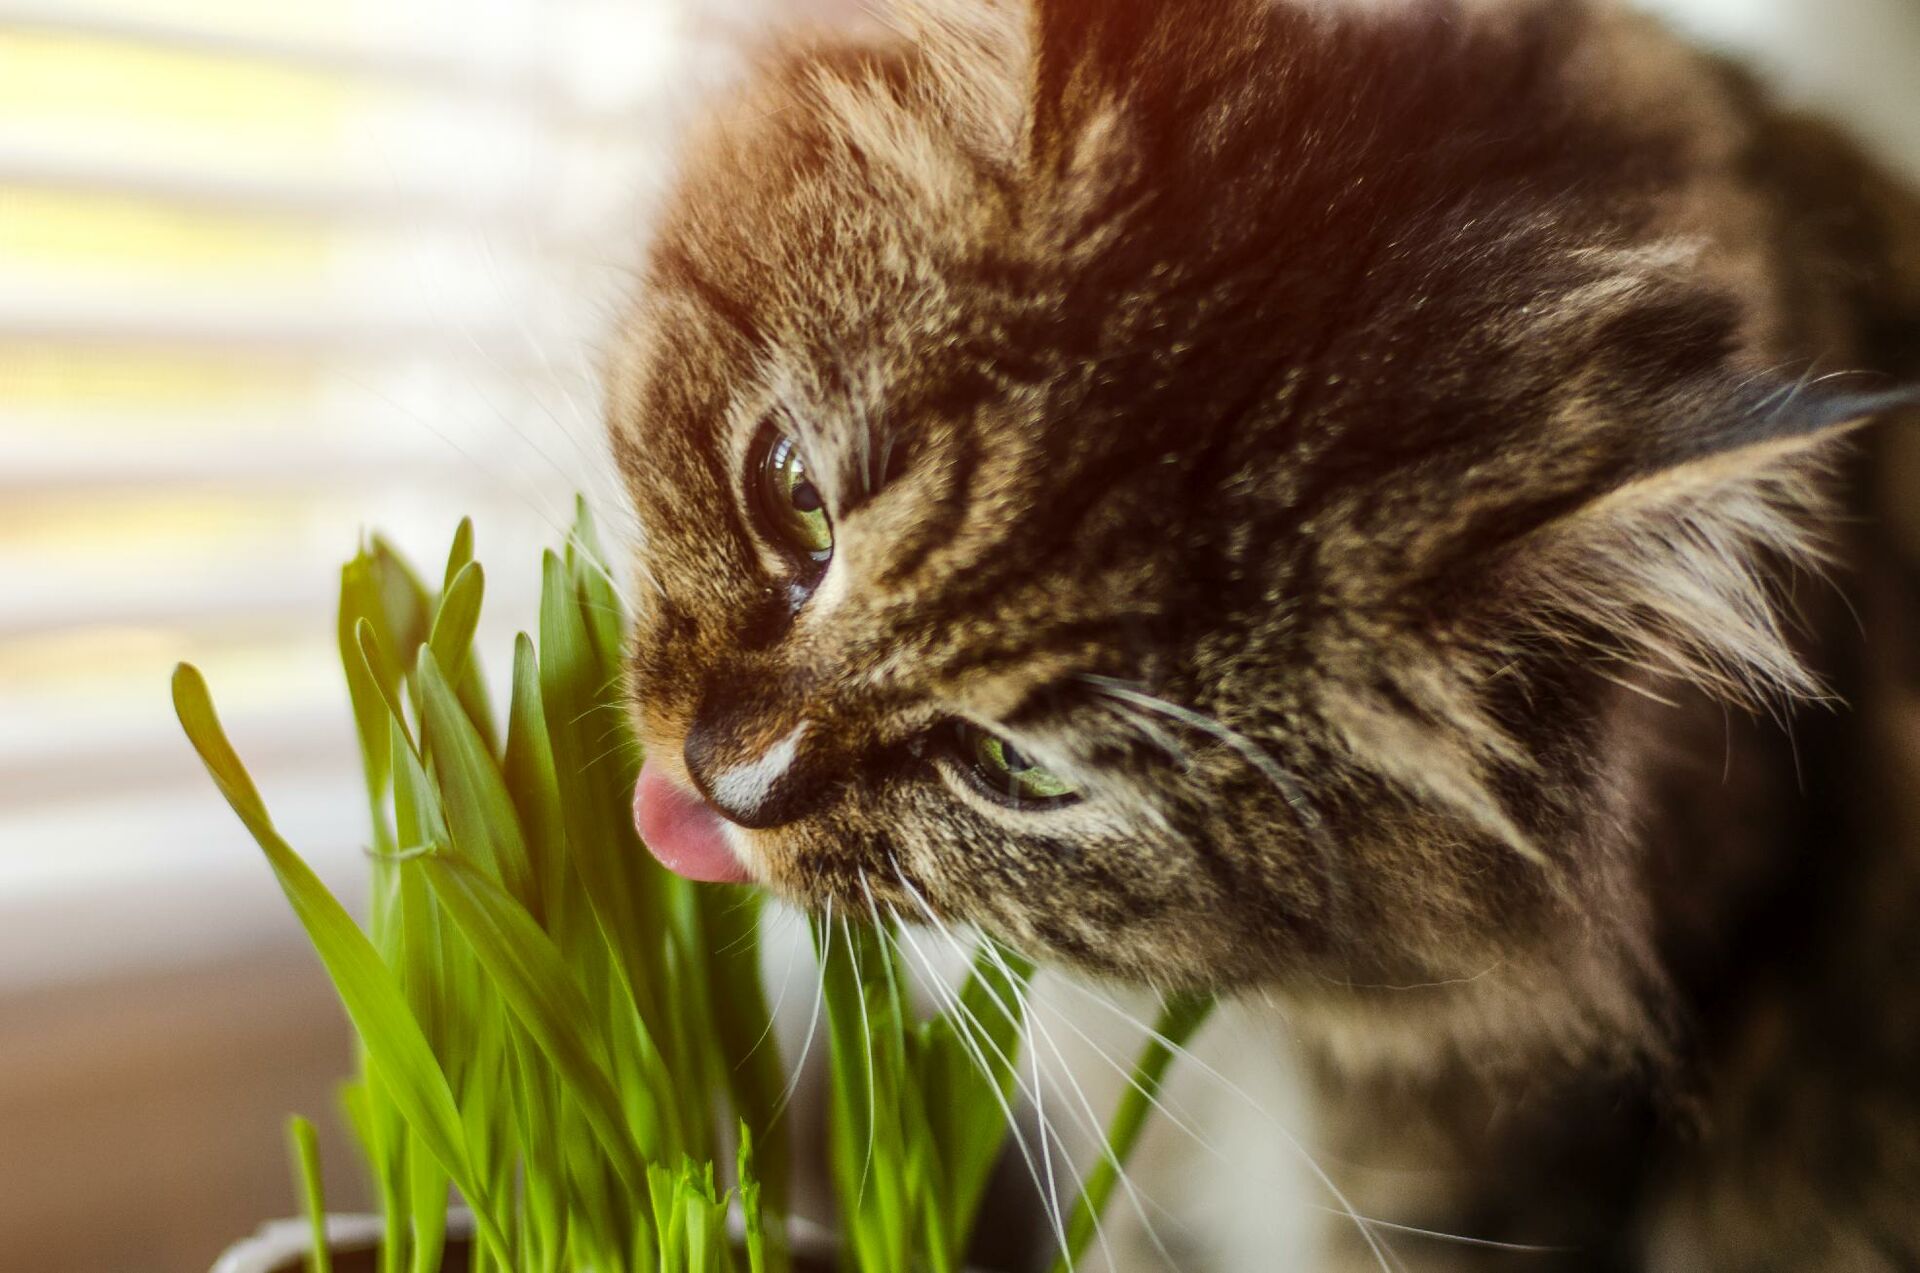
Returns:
(568, 1038)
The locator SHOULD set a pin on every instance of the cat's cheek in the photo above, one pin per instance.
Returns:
(778, 861)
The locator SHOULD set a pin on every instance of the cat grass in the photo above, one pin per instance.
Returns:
(573, 1041)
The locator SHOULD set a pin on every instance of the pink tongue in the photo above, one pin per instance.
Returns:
(681, 830)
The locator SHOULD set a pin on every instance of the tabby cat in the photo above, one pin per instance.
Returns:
(1373, 504)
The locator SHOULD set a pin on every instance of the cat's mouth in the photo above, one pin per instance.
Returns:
(685, 833)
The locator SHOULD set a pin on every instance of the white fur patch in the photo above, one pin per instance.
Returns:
(745, 787)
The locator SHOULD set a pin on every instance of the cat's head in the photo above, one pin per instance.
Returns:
(1175, 483)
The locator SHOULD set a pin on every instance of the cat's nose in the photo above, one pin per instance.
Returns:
(750, 766)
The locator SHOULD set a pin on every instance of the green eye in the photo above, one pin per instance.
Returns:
(1007, 772)
(790, 501)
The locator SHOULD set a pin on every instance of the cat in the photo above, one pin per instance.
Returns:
(1394, 509)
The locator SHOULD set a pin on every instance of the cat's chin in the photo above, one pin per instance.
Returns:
(683, 832)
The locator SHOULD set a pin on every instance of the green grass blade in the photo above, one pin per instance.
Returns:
(459, 554)
(481, 1096)
(605, 1232)
(385, 675)
(359, 600)
(304, 1146)
(660, 1189)
(536, 1111)
(416, 801)
(417, 956)
(535, 789)
(887, 1172)
(473, 685)
(700, 1222)
(533, 981)
(596, 771)
(969, 1120)
(865, 1036)
(405, 612)
(1180, 1019)
(376, 1124)
(587, 563)
(748, 1051)
(373, 1001)
(481, 815)
(762, 1256)
(426, 1187)
(457, 619)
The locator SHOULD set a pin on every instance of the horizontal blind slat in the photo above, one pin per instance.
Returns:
(429, 58)
(271, 277)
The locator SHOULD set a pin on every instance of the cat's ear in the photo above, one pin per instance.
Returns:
(1098, 66)
(1081, 51)
(1675, 547)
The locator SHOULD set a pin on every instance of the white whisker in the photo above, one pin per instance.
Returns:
(1089, 1120)
(1363, 1224)
(1256, 756)
(1292, 793)
(773, 1016)
(813, 1024)
(973, 1043)
(866, 1036)
(1049, 1196)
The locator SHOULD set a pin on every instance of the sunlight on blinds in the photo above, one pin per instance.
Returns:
(271, 275)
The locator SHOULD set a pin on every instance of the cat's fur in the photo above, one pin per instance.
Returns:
(1385, 457)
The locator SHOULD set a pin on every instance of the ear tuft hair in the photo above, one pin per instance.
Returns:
(1678, 566)
(1681, 564)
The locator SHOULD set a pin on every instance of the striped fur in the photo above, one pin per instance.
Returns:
(1352, 445)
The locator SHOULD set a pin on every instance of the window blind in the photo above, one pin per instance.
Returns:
(272, 275)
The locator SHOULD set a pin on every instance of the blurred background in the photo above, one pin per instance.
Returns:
(273, 275)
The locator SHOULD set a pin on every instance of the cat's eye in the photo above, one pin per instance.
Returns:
(788, 501)
(1009, 774)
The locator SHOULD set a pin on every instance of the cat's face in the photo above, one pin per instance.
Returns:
(1129, 478)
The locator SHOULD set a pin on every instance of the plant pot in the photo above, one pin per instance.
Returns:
(281, 1247)
(354, 1242)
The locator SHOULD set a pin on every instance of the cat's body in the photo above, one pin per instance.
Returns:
(1779, 858)
(1348, 476)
